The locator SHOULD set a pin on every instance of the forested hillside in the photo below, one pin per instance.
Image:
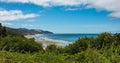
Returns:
(23, 31)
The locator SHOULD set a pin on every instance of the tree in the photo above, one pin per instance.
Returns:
(0, 25)
(3, 31)
(0, 29)
(104, 39)
(80, 45)
(116, 38)
(19, 44)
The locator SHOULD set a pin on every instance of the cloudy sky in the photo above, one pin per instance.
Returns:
(62, 16)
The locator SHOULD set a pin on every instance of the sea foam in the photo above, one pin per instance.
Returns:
(42, 37)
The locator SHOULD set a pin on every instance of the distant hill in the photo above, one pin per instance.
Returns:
(24, 31)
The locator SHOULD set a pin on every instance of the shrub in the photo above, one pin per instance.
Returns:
(20, 44)
(54, 49)
(90, 56)
(80, 45)
(104, 39)
(116, 38)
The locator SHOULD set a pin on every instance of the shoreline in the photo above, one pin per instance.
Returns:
(29, 36)
(45, 43)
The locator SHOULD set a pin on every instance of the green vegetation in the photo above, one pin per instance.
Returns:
(19, 44)
(102, 49)
(3, 31)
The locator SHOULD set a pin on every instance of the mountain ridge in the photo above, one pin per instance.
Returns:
(25, 31)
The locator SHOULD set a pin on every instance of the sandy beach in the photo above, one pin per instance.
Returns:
(29, 36)
(46, 42)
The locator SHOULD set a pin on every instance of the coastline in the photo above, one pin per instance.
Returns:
(45, 43)
(29, 36)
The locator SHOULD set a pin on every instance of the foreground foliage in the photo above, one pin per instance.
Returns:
(102, 49)
(20, 44)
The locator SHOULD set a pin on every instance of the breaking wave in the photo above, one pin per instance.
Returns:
(42, 37)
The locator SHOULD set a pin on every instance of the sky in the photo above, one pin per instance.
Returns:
(62, 16)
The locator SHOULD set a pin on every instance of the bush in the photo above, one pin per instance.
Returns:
(54, 49)
(80, 45)
(20, 44)
(14, 57)
(102, 49)
(90, 56)
(116, 38)
(104, 39)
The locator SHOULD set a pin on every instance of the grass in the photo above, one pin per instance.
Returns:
(15, 57)
(88, 56)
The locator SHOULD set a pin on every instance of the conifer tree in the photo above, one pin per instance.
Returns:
(3, 31)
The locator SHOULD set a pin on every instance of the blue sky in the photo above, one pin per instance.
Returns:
(61, 16)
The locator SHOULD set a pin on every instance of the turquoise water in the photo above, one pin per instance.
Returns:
(63, 37)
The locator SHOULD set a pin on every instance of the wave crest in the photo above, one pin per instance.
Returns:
(42, 37)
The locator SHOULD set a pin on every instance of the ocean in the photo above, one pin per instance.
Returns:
(63, 38)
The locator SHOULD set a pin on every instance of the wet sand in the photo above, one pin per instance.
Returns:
(29, 36)
(45, 42)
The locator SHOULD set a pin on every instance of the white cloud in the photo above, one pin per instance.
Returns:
(8, 24)
(27, 25)
(115, 14)
(31, 20)
(47, 2)
(72, 9)
(112, 6)
(11, 15)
